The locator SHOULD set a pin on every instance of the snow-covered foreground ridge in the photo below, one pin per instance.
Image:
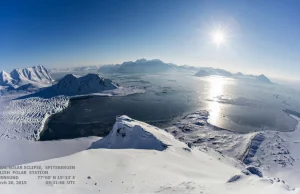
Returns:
(139, 158)
(279, 156)
(275, 153)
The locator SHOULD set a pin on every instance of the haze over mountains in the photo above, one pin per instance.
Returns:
(221, 72)
(36, 77)
(158, 66)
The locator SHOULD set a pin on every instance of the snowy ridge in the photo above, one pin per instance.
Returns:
(278, 155)
(195, 130)
(5, 79)
(90, 83)
(129, 133)
(34, 74)
(275, 153)
(28, 79)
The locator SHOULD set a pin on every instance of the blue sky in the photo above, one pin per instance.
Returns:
(262, 36)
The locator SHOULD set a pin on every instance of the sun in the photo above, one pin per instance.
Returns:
(218, 37)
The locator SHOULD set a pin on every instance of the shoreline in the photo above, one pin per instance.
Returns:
(48, 117)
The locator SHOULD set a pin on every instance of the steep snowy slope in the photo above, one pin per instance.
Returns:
(275, 153)
(137, 164)
(90, 83)
(35, 78)
(278, 155)
(37, 74)
(5, 79)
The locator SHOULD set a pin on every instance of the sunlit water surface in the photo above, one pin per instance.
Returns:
(237, 105)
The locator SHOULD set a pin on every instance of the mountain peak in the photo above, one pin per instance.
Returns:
(90, 83)
(68, 76)
(33, 77)
(143, 60)
(5, 79)
(263, 78)
(128, 133)
(144, 66)
(37, 74)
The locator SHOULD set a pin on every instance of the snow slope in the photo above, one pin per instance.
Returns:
(275, 153)
(37, 74)
(195, 130)
(28, 79)
(90, 83)
(175, 169)
(5, 79)
(278, 155)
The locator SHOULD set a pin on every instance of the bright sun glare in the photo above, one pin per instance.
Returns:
(218, 37)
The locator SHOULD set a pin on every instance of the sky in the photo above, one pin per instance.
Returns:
(260, 36)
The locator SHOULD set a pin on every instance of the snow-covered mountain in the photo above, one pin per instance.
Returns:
(37, 76)
(70, 85)
(5, 79)
(90, 83)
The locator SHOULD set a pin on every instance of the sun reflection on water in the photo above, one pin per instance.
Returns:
(216, 86)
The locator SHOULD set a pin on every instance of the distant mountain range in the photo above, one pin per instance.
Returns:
(25, 79)
(158, 66)
(139, 66)
(34, 78)
(208, 71)
(75, 69)
(221, 72)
